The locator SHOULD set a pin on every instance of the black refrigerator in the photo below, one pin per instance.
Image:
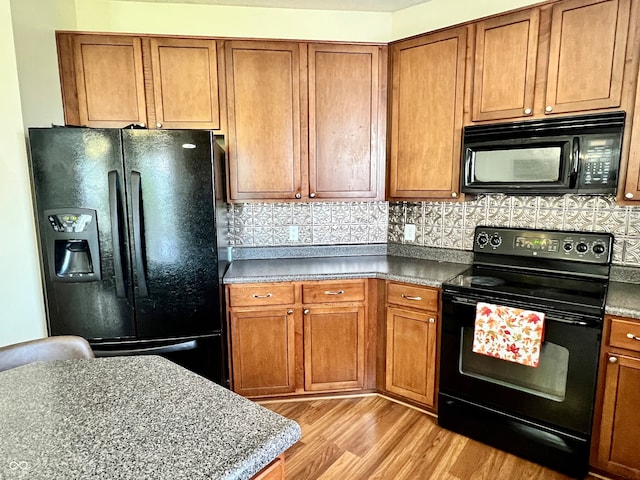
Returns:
(132, 245)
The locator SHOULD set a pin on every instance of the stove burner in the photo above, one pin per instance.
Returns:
(483, 281)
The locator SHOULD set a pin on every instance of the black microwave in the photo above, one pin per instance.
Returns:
(553, 156)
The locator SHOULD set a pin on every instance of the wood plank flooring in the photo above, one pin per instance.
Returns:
(373, 438)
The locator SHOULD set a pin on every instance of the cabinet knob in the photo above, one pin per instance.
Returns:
(454, 195)
(158, 125)
(289, 312)
(312, 195)
(432, 320)
(527, 111)
(631, 336)
(306, 311)
(298, 195)
(548, 109)
(613, 359)
(628, 195)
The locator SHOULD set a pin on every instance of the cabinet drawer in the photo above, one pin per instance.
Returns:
(261, 294)
(625, 334)
(423, 298)
(328, 292)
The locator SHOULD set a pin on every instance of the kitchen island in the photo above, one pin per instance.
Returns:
(131, 418)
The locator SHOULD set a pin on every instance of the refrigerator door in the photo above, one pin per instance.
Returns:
(173, 233)
(79, 196)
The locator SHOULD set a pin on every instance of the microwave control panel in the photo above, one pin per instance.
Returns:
(599, 160)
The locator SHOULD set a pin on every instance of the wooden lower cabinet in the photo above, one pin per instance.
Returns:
(334, 353)
(411, 354)
(273, 471)
(300, 337)
(263, 351)
(411, 342)
(615, 448)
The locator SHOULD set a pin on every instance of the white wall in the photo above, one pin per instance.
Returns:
(437, 14)
(22, 313)
(212, 20)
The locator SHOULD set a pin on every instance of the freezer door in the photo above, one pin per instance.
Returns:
(173, 233)
(79, 198)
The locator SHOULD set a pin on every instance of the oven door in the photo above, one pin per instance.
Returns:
(559, 392)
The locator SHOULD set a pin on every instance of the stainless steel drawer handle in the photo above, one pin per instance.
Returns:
(329, 292)
(268, 295)
(633, 337)
(409, 297)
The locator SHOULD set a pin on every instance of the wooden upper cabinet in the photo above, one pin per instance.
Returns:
(586, 55)
(632, 183)
(111, 81)
(345, 116)
(185, 83)
(106, 77)
(263, 100)
(505, 66)
(428, 75)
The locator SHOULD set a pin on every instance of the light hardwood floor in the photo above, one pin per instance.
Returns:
(367, 438)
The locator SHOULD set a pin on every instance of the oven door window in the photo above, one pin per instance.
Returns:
(548, 380)
(518, 165)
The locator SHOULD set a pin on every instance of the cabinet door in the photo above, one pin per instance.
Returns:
(632, 181)
(109, 80)
(426, 115)
(411, 354)
(345, 113)
(185, 83)
(263, 101)
(334, 352)
(587, 55)
(263, 351)
(505, 66)
(618, 443)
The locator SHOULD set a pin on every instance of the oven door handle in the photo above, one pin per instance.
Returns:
(552, 318)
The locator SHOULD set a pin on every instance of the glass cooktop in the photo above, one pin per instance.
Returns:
(555, 291)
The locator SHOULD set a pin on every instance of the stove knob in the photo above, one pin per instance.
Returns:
(482, 239)
(567, 247)
(496, 240)
(582, 247)
(599, 249)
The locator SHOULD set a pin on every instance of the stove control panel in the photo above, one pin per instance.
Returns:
(553, 244)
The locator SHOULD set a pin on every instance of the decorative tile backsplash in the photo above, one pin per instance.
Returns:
(438, 224)
(451, 225)
(335, 223)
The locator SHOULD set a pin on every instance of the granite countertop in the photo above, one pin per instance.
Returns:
(402, 269)
(140, 417)
(623, 298)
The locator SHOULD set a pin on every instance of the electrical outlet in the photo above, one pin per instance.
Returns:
(293, 233)
(409, 232)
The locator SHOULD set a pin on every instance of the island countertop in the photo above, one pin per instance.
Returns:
(139, 418)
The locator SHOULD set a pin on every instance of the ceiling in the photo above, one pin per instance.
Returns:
(352, 5)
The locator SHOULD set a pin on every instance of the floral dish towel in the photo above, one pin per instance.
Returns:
(508, 333)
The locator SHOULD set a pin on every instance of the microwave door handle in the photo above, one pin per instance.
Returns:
(576, 162)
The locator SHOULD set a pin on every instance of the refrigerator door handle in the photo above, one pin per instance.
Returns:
(136, 183)
(115, 233)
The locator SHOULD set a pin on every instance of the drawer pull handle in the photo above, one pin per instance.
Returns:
(633, 337)
(329, 292)
(268, 295)
(409, 297)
